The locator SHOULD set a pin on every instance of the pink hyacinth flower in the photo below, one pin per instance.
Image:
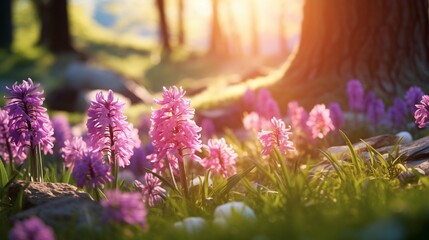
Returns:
(422, 112)
(109, 130)
(277, 136)
(73, 150)
(320, 121)
(173, 131)
(221, 158)
(151, 189)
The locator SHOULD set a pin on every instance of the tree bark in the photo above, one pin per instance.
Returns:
(181, 23)
(6, 27)
(163, 27)
(217, 39)
(383, 43)
(54, 31)
(60, 29)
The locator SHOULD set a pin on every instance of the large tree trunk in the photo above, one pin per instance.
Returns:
(54, 31)
(383, 43)
(181, 23)
(60, 30)
(218, 45)
(6, 27)
(163, 27)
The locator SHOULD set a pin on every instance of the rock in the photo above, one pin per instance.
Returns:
(233, 210)
(56, 204)
(81, 76)
(38, 193)
(405, 137)
(191, 225)
(62, 211)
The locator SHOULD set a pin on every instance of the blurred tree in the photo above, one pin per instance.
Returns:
(383, 43)
(54, 25)
(254, 27)
(6, 27)
(163, 27)
(181, 23)
(282, 26)
(218, 44)
(235, 46)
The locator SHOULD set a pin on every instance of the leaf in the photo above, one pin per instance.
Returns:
(224, 189)
(66, 176)
(3, 175)
(165, 181)
(354, 156)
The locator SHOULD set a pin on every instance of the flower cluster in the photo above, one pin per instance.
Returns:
(355, 93)
(320, 121)
(221, 157)
(125, 208)
(62, 130)
(277, 136)
(7, 147)
(422, 112)
(151, 190)
(31, 229)
(73, 150)
(91, 172)
(29, 123)
(109, 130)
(174, 133)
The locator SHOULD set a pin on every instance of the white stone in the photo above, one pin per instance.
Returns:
(233, 210)
(191, 225)
(405, 136)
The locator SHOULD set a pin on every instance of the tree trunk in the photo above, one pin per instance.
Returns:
(60, 40)
(163, 27)
(54, 31)
(254, 27)
(181, 23)
(235, 46)
(383, 43)
(217, 38)
(6, 27)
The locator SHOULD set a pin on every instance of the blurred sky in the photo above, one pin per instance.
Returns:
(138, 18)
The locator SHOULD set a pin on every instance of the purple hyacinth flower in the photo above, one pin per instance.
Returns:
(221, 158)
(422, 112)
(7, 147)
(368, 100)
(29, 123)
(124, 208)
(298, 116)
(91, 171)
(375, 112)
(174, 132)
(397, 113)
(262, 98)
(277, 136)
(62, 130)
(355, 94)
(336, 115)
(31, 229)
(109, 130)
(151, 190)
(139, 161)
(413, 97)
(73, 150)
(249, 98)
(208, 129)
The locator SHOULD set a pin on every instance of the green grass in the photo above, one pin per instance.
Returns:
(358, 199)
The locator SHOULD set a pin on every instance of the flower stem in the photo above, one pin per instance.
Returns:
(183, 179)
(115, 170)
